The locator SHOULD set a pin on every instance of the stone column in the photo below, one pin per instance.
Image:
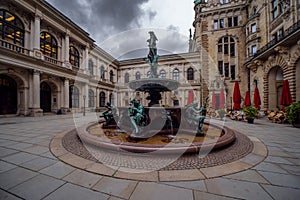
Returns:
(97, 98)
(37, 30)
(36, 110)
(85, 61)
(66, 105)
(66, 50)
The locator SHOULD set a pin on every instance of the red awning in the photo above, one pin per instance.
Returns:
(222, 98)
(247, 100)
(213, 100)
(256, 99)
(286, 97)
(190, 97)
(236, 97)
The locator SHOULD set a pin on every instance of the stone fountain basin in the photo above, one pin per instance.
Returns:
(228, 136)
(154, 84)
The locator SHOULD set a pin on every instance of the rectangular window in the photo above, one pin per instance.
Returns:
(215, 24)
(232, 72)
(226, 69)
(253, 28)
(220, 67)
(229, 21)
(235, 21)
(253, 51)
(220, 48)
(274, 10)
(225, 48)
(221, 23)
(232, 50)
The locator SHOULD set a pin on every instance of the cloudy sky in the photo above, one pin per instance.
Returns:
(121, 26)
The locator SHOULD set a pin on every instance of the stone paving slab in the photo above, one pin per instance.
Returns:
(37, 187)
(5, 166)
(38, 163)
(193, 185)
(180, 175)
(7, 196)
(154, 191)
(237, 189)
(282, 193)
(116, 187)
(83, 178)
(14, 177)
(58, 170)
(74, 192)
(19, 158)
(286, 180)
(204, 195)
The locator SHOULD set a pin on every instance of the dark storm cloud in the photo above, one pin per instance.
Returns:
(102, 18)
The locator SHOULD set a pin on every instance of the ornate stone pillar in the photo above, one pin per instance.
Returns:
(66, 50)
(36, 36)
(66, 96)
(36, 110)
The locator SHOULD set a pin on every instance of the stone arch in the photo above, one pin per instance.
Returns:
(22, 89)
(272, 63)
(56, 95)
(295, 73)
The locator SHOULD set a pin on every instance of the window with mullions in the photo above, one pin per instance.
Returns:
(232, 72)
(111, 76)
(162, 73)
(137, 75)
(91, 67)
(126, 78)
(102, 99)
(176, 74)
(226, 45)
(11, 28)
(91, 98)
(190, 74)
(277, 8)
(148, 74)
(102, 72)
(48, 45)
(74, 56)
(226, 69)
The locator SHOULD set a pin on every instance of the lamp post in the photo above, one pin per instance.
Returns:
(84, 105)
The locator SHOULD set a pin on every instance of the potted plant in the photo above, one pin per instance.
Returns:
(222, 113)
(251, 113)
(293, 114)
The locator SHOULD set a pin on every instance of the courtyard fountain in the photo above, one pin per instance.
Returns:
(156, 129)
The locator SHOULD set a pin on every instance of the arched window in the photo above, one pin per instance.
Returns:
(176, 74)
(74, 56)
(148, 74)
(11, 28)
(102, 72)
(190, 74)
(162, 73)
(48, 45)
(137, 75)
(112, 99)
(91, 98)
(102, 99)
(111, 76)
(74, 97)
(226, 45)
(91, 67)
(126, 77)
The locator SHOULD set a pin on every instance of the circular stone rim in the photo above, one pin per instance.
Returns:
(147, 84)
(226, 139)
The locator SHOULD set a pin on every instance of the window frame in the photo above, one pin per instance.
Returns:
(74, 57)
(190, 74)
(176, 74)
(17, 35)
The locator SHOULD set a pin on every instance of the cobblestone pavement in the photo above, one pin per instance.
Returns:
(28, 170)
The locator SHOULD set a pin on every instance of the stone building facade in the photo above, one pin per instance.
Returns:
(255, 43)
(49, 64)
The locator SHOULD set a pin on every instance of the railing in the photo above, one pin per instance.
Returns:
(53, 60)
(14, 47)
(295, 27)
